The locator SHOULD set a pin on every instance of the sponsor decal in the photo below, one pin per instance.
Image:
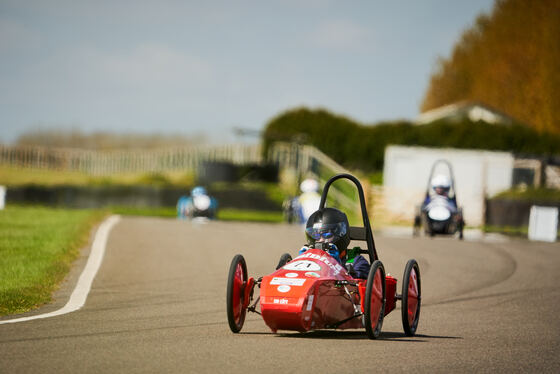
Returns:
(284, 288)
(335, 266)
(310, 303)
(288, 281)
(312, 274)
(291, 275)
(303, 265)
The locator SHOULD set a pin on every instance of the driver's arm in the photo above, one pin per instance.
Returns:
(361, 267)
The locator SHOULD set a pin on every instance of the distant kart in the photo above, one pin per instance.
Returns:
(439, 215)
(313, 291)
(298, 209)
(203, 206)
(292, 210)
(200, 205)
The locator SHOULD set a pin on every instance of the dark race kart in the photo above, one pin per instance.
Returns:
(314, 291)
(439, 214)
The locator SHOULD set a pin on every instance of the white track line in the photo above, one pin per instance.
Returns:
(80, 293)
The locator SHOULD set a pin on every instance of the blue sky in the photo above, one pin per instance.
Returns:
(205, 67)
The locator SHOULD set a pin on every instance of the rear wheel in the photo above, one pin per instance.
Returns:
(417, 225)
(374, 303)
(411, 297)
(237, 281)
(428, 231)
(284, 259)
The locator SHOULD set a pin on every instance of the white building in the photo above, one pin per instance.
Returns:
(478, 174)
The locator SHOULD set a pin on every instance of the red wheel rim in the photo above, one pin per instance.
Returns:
(238, 293)
(376, 299)
(412, 297)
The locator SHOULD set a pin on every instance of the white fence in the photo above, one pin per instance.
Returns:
(124, 161)
(308, 161)
(304, 160)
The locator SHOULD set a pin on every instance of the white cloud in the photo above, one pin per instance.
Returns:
(145, 64)
(147, 67)
(341, 34)
(154, 64)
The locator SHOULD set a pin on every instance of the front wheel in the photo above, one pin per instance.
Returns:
(411, 297)
(374, 303)
(284, 259)
(237, 281)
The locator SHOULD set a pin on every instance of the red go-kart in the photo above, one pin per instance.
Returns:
(313, 291)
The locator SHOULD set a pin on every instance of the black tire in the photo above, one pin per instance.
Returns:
(428, 228)
(417, 225)
(237, 281)
(373, 315)
(410, 317)
(284, 259)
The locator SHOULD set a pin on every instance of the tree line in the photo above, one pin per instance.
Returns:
(508, 60)
(104, 140)
(358, 146)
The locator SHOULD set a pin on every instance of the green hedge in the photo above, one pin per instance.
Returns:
(532, 194)
(355, 145)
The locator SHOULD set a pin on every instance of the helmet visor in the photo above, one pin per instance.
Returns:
(198, 191)
(327, 233)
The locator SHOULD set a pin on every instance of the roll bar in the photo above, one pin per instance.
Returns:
(448, 164)
(356, 233)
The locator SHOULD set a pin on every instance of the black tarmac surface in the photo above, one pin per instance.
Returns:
(158, 304)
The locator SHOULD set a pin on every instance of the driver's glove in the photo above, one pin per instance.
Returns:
(333, 251)
(303, 249)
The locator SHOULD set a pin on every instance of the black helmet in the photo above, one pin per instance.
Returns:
(328, 225)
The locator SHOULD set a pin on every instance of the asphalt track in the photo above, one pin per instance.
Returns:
(157, 305)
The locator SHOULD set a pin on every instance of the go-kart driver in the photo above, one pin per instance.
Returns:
(441, 186)
(187, 206)
(309, 199)
(330, 227)
(300, 208)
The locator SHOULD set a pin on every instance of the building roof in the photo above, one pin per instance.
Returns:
(465, 109)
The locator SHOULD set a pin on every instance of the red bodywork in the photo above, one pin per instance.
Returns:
(303, 296)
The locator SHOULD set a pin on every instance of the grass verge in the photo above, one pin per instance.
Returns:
(14, 176)
(522, 231)
(536, 194)
(507, 230)
(226, 214)
(169, 212)
(249, 215)
(39, 244)
(37, 247)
